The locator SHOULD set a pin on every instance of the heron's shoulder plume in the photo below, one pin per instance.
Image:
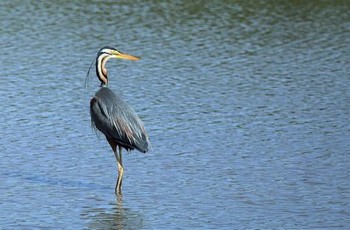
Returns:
(87, 78)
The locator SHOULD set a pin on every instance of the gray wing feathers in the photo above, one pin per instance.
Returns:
(115, 119)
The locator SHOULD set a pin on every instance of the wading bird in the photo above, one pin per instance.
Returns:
(113, 117)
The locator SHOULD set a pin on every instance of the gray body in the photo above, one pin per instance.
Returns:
(117, 120)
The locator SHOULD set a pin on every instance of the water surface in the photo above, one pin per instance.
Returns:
(247, 106)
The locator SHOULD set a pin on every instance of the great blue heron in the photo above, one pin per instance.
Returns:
(113, 117)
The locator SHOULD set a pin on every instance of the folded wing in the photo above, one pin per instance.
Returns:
(117, 120)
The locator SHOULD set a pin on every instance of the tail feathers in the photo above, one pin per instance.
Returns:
(142, 145)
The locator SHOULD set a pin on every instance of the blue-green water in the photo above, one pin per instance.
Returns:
(247, 105)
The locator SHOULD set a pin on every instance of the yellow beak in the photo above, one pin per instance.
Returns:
(117, 54)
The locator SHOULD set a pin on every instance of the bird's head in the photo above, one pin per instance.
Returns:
(111, 52)
(103, 55)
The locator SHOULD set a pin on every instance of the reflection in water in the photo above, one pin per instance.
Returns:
(114, 216)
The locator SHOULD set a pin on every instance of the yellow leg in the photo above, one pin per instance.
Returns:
(118, 156)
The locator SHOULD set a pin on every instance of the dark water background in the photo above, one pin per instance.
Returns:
(247, 104)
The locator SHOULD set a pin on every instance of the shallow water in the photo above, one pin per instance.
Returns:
(247, 106)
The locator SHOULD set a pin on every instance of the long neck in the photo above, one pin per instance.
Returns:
(101, 70)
